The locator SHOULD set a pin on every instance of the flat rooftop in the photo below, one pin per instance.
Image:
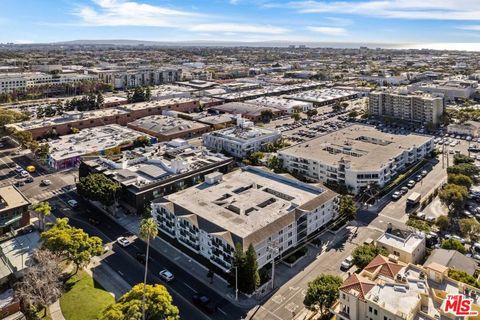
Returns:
(243, 108)
(246, 202)
(409, 243)
(91, 140)
(321, 95)
(243, 134)
(364, 147)
(18, 252)
(11, 198)
(166, 125)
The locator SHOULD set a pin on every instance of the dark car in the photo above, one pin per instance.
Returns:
(204, 302)
(93, 221)
(141, 257)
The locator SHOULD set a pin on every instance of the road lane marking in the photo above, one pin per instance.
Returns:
(120, 273)
(190, 288)
(222, 311)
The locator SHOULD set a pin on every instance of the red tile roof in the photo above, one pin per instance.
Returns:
(359, 284)
(387, 268)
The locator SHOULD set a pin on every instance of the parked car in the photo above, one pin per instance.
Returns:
(166, 275)
(72, 203)
(424, 173)
(124, 242)
(418, 178)
(396, 195)
(404, 190)
(347, 263)
(24, 173)
(411, 184)
(20, 183)
(421, 215)
(29, 179)
(462, 240)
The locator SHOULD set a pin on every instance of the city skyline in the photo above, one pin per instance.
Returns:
(366, 21)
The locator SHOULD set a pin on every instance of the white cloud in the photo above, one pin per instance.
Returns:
(23, 41)
(331, 31)
(235, 27)
(400, 9)
(128, 13)
(470, 27)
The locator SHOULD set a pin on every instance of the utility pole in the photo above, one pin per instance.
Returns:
(236, 283)
(272, 248)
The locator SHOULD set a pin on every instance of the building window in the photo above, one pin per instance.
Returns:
(370, 309)
(375, 312)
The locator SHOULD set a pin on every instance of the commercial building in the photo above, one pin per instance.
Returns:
(124, 78)
(61, 125)
(67, 151)
(356, 156)
(21, 81)
(405, 245)
(322, 97)
(241, 140)
(468, 128)
(247, 206)
(166, 128)
(390, 290)
(401, 105)
(151, 172)
(451, 89)
(13, 209)
(285, 105)
(253, 112)
(16, 255)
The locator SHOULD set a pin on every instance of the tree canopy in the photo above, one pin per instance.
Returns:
(453, 196)
(73, 243)
(469, 228)
(98, 187)
(461, 158)
(322, 292)
(453, 244)
(460, 179)
(363, 254)
(247, 272)
(43, 209)
(347, 207)
(467, 169)
(158, 305)
(443, 223)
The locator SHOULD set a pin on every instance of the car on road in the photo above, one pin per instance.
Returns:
(20, 183)
(24, 173)
(29, 179)
(141, 257)
(411, 184)
(396, 195)
(347, 263)
(124, 242)
(45, 182)
(166, 275)
(203, 302)
(72, 203)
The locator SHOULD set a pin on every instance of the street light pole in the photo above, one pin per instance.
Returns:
(236, 283)
(273, 249)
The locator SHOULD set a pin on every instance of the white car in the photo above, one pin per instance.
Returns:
(411, 184)
(46, 182)
(396, 195)
(124, 242)
(347, 263)
(24, 173)
(72, 203)
(166, 275)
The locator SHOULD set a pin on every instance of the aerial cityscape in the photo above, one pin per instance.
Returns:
(240, 159)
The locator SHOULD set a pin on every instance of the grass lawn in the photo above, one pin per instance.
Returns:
(84, 299)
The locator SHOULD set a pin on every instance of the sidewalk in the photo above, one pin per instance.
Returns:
(110, 280)
(197, 270)
(56, 311)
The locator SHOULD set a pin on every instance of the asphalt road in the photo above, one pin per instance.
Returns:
(124, 262)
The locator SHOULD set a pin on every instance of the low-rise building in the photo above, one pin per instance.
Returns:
(451, 89)
(13, 209)
(405, 245)
(151, 172)
(416, 107)
(250, 206)
(468, 128)
(66, 152)
(322, 97)
(250, 111)
(356, 156)
(452, 259)
(241, 140)
(166, 128)
(390, 290)
(285, 105)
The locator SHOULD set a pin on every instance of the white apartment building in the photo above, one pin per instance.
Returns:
(121, 78)
(241, 140)
(414, 107)
(356, 156)
(20, 81)
(247, 206)
(468, 128)
(405, 245)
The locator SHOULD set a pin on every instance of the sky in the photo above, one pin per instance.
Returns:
(360, 21)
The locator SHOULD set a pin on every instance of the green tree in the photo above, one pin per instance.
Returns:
(8, 116)
(363, 254)
(42, 151)
(461, 158)
(43, 209)
(353, 114)
(419, 224)
(97, 187)
(443, 223)
(469, 228)
(73, 243)
(255, 157)
(462, 276)
(296, 116)
(311, 113)
(453, 196)
(347, 207)
(322, 293)
(453, 244)
(275, 164)
(141, 141)
(467, 169)
(148, 230)
(252, 278)
(266, 115)
(460, 179)
(158, 305)
(100, 100)
(148, 94)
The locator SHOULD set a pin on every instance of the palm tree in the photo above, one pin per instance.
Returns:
(43, 209)
(148, 230)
